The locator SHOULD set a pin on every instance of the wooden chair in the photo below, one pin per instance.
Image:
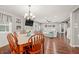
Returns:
(37, 44)
(22, 47)
(15, 36)
(13, 44)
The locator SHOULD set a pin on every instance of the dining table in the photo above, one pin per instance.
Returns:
(23, 41)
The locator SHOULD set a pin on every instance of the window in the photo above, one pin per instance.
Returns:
(5, 27)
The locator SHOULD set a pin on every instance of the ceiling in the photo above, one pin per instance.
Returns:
(53, 13)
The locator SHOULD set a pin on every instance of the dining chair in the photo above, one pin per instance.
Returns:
(37, 44)
(13, 44)
(15, 36)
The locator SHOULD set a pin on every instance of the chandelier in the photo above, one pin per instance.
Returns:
(29, 15)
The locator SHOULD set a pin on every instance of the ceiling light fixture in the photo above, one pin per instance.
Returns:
(29, 15)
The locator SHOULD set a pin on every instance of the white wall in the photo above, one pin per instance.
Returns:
(69, 33)
(37, 26)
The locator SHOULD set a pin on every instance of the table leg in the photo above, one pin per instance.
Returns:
(21, 49)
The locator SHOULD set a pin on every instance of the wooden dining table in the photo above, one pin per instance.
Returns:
(23, 42)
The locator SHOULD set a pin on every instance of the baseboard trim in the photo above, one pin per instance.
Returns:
(74, 45)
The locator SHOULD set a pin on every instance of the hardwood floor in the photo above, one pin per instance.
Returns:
(5, 50)
(56, 46)
(51, 46)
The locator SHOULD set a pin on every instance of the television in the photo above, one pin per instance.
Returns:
(28, 23)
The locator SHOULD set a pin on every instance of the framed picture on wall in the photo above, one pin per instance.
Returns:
(18, 27)
(18, 21)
